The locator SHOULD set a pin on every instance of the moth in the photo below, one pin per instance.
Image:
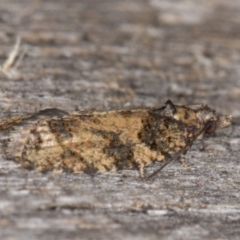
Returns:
(98, 141)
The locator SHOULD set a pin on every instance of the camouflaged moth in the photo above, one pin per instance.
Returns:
(98, 141)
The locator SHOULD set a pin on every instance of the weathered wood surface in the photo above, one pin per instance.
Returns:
(110, 54)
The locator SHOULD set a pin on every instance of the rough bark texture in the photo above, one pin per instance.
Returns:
(110, 54)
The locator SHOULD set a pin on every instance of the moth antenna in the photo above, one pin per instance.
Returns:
(180, 152)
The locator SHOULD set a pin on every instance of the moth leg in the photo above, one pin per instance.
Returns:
(201, 145)
(142, 170)
(184, 162)
(183, 159)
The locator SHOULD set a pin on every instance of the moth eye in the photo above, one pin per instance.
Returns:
(211, 128)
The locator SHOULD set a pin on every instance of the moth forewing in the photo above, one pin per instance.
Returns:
(98, 141)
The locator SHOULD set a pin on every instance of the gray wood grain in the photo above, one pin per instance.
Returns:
(114, 54)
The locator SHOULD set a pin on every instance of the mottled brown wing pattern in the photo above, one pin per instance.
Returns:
(53, 140)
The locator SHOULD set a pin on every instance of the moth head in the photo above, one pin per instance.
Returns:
(211, 120)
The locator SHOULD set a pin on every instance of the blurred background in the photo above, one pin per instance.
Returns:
(112, 54)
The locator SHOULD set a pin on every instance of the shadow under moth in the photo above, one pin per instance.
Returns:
(98, 141)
